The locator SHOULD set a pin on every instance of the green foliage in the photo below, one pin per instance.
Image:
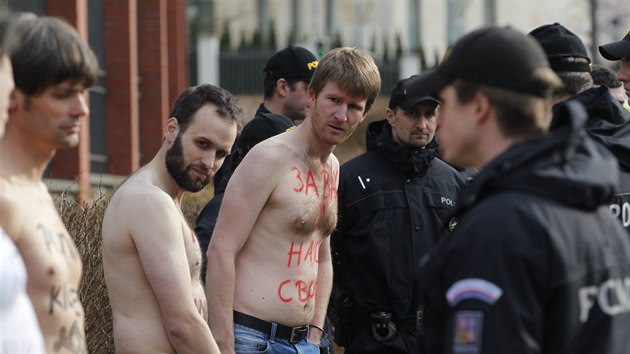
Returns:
(336, 43)
(292, 37)
(257, 42)
(224, 42)
(245, 42)
(399, 47)
(271, 41)
(437, 59)
(422, 56)
(373, 43)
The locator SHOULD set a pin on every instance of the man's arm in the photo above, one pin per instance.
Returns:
(157, 234)
(9, 210)
(245, 197)
(206, 221)
(324, 288)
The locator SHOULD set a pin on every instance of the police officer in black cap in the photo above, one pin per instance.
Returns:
(533, 262)
(619, 51)
(286, 77)
(393, 201)
(608, 122)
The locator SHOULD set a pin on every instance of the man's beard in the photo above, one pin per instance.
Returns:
(177, 168)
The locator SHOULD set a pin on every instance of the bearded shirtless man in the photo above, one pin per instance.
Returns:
(53, 68)
(269, 266)
(151, 258)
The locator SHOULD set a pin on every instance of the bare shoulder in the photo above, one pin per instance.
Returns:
(136, 206)
(21, 203)
(137, 194)
(273, 150)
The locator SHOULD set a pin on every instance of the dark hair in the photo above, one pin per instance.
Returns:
(518, 114)
(192, 99)
(47, 51)
(269, 86)
(605, 77)
(574, 81)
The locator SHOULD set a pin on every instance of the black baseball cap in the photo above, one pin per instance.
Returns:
(261, 128)
(406, 96)
(559, 43)
(494, 56)
(291, 63)
(616, 50)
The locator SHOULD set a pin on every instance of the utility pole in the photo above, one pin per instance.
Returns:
(263, 21)
(414, 25)
(594, 32)
(490, 12)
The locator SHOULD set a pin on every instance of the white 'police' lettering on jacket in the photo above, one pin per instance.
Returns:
(612, 297)
(621, 211)
(447, 201)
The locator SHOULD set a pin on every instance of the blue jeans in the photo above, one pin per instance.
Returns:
(250, 341)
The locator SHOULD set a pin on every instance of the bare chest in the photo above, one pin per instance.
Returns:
(50, 255)
(310, 199)
(193, 252)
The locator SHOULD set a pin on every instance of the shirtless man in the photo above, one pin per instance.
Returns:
(19, 330)
(150, 255)
(53, 68)
(269, 266)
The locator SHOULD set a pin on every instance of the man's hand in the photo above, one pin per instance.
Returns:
(315, 334)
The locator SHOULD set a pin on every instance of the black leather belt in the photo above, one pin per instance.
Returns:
(290, 334)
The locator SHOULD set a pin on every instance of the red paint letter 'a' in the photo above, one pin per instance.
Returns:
(310, 183)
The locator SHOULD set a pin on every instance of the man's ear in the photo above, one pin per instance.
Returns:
(172, 129)
(16, 98)
(482, 108)
(312, 96)
(389, 115)
(282, 87)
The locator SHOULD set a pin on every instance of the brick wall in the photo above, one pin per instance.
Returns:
(146, 65)
(74, 164)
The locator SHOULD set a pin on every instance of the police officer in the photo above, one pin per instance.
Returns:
(620, 51)
(608, 122)
(534, 261)
(393, 200)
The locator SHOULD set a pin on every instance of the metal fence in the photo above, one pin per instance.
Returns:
(241, 72)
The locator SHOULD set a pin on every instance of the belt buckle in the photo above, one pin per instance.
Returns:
(297, 334)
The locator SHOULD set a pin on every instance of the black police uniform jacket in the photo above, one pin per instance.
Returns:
(536, 262)
(609, 124)
(393, 201)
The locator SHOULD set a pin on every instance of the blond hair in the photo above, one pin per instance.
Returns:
(353, 70)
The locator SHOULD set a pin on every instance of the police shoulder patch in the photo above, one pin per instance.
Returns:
(473, 288)
(467, 332)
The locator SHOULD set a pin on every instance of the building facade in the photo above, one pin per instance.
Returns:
(141, 46)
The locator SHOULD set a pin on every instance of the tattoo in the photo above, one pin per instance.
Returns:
(202, 307)
(58, 242)
(72, 340)
(64, 297)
